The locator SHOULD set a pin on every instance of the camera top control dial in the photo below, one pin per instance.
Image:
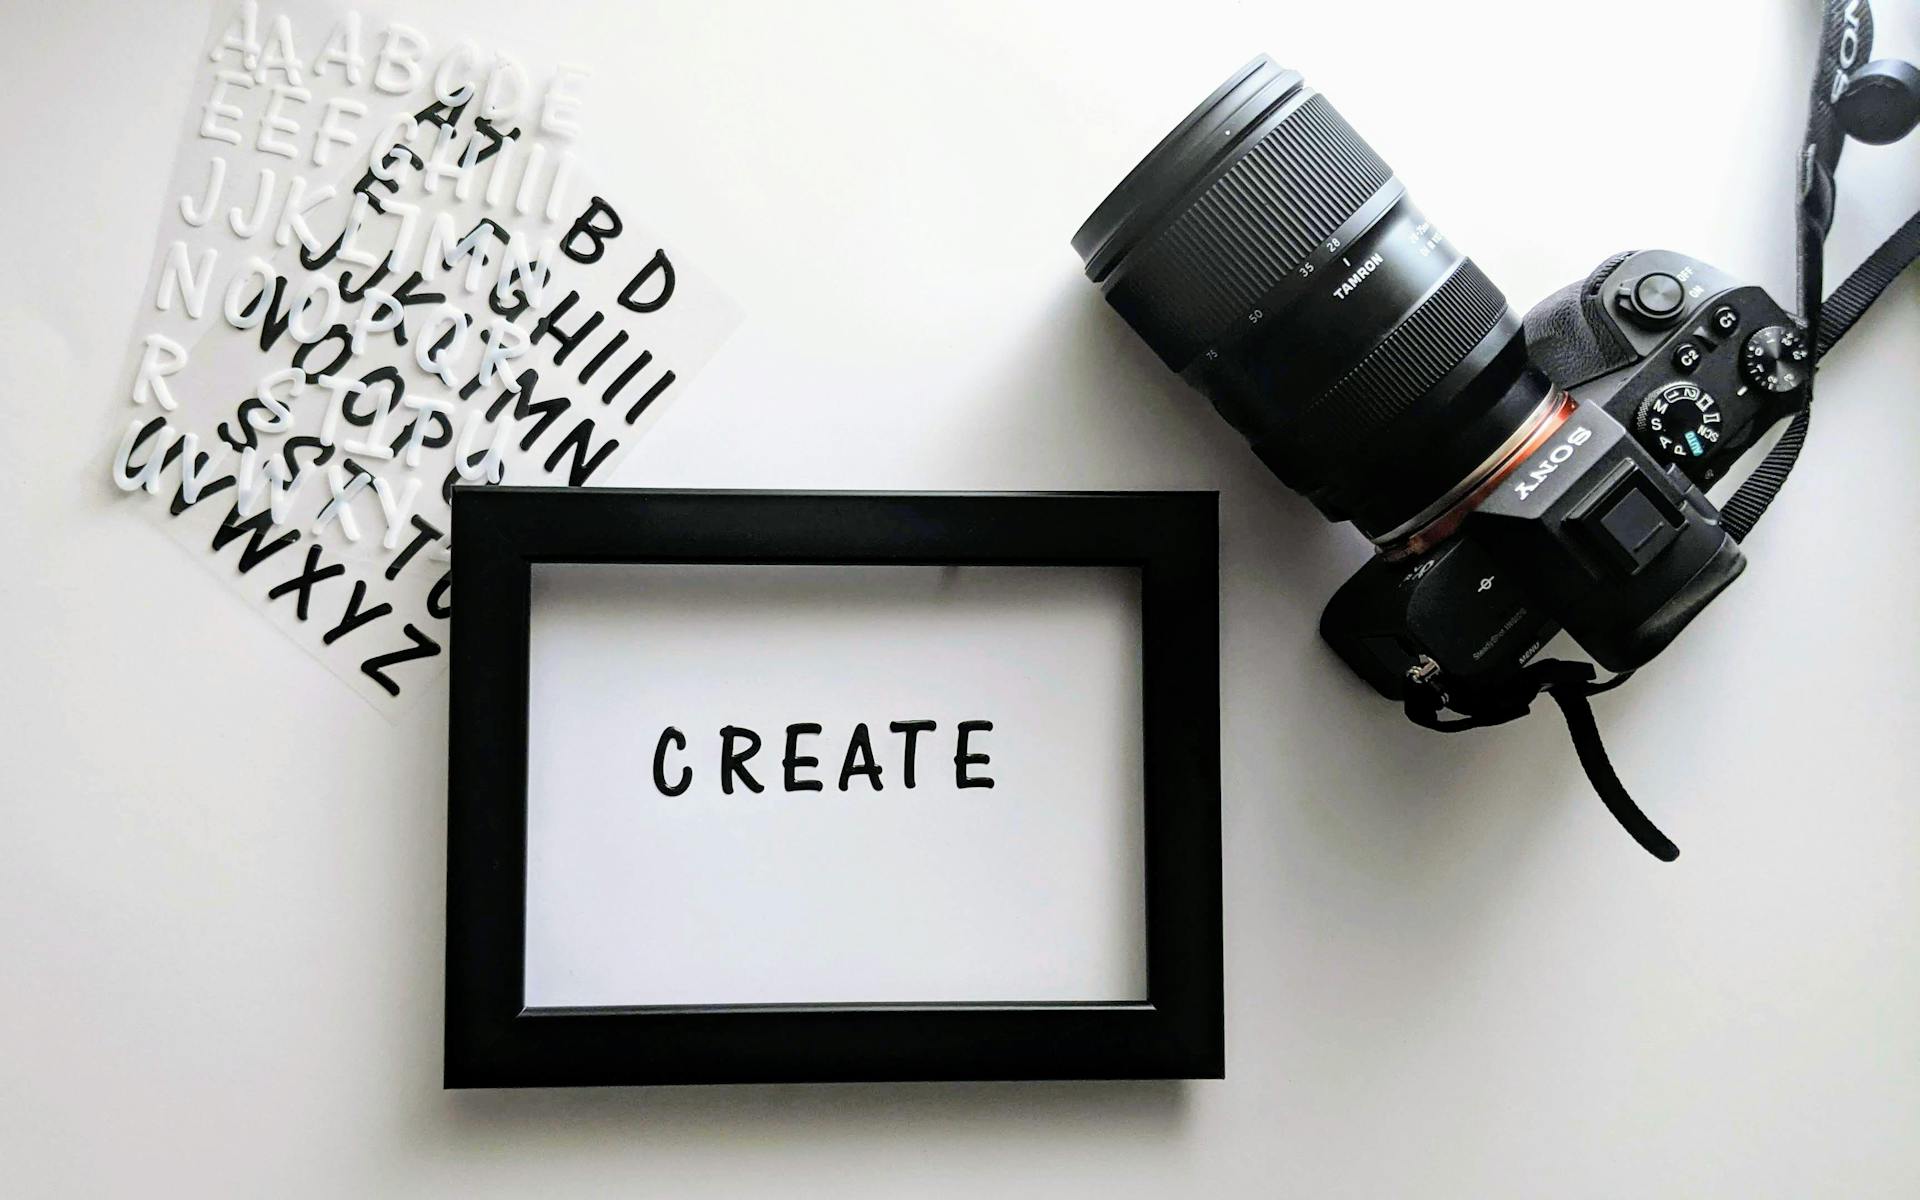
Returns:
(1774, 359)
(1678, 421)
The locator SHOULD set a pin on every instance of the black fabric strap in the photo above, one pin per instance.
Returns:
(1828, 317)
(1756, 492)
(1835, 315)
(1571, 685)
(1599, 768)
(1850, 301)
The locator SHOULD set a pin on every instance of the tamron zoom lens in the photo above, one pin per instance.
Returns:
(1268, 255)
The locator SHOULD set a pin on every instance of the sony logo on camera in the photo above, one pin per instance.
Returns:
(1849, 48)
(1551, 462)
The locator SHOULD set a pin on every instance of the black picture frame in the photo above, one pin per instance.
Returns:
(494, 1040)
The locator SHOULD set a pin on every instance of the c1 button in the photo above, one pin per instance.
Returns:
(1726, 319)
(1686, 357)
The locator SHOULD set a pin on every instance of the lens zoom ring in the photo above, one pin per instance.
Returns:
(1407, 362)
(1252, 228)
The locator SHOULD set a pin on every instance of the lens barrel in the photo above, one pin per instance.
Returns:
(1268, 255)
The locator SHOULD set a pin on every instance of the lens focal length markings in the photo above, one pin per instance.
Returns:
(1342, 247)
(1318, 327)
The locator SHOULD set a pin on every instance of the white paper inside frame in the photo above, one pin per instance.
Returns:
(1030, 890)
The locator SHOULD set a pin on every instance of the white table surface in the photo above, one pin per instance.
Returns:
(1448, 972)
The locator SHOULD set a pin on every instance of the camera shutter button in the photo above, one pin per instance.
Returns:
(1654, 298)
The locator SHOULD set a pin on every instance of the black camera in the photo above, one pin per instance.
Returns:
(1518, 476)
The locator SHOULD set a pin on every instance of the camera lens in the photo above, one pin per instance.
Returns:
(1268, 255)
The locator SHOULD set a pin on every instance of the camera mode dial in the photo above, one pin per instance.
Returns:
(1775, 359)
(1679, 421)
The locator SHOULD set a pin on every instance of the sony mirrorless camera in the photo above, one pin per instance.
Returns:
(1518, 477)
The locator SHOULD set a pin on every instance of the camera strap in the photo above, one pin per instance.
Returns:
(1571, 685)
(1846, 42)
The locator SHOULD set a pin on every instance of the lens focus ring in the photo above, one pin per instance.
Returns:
(1193, 282)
